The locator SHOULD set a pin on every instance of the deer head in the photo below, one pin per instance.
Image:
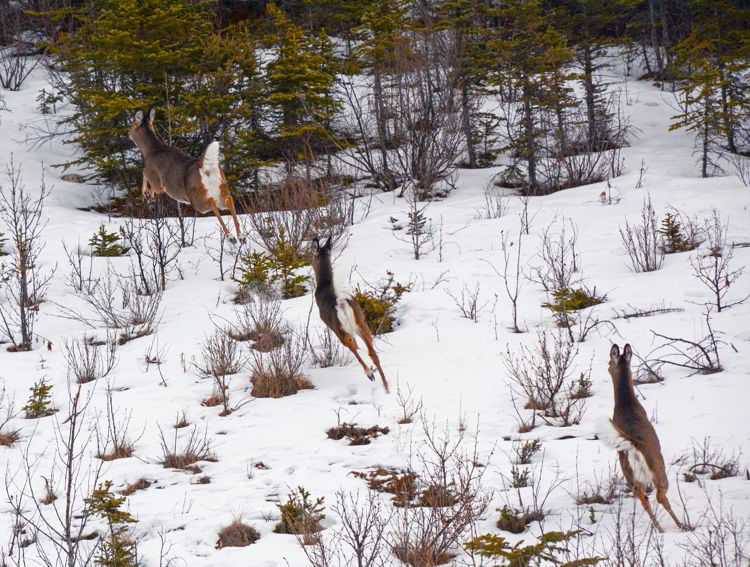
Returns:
(619, 364)
(321, 254)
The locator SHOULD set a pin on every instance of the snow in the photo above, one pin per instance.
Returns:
(450, 362)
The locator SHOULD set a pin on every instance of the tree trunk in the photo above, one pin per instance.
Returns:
(726, 110)
(590, 90)
(655, 40)
(380, 124)
(466, 124)
(529, 142)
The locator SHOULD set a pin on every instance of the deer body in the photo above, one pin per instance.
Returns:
(196, 181)
(631, 434)
(340, 311)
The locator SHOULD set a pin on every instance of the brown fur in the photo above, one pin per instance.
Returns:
(325, 298)
(632, 423)
(171, 171)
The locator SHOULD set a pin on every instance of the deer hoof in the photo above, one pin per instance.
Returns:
(371, 374)
(232, 239)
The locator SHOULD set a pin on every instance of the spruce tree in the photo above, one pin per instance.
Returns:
(300, 87)
(713, 60)
(525, 54)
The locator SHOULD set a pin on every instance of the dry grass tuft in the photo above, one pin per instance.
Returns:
(133, 487)
(197, 448)
(10, 438)
(237, 534)
(356, 435)
(421, 556)
(121, 451)
(279, 373)
(402, 484)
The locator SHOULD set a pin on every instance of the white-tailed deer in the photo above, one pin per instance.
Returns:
(631, 434)
(340, 311)
(198, 182)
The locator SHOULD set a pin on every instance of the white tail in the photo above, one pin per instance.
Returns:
(211, 171)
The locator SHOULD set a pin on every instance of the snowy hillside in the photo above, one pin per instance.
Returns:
(453, 365)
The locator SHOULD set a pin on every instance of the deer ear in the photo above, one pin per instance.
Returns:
(316, 242)
(152, 114)
(327, 245)
(614, 354)
(138, 117)
(627, 353)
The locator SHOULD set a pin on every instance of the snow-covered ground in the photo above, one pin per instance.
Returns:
(453, 364)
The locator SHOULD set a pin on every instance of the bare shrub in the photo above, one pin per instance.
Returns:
(708, 459)
(643, 241)
(423, 99)
(88, 359)
(699, 355)
(741, 167)
(220, 354)
(80, 278)
(116, 304)
(468, 302)
(720, 540)
(511, 273)
(495, 204)
(261, 320)
(8, 435)
(24, 281)
(409, 404)
(298, 208)
(328, 350)
(17, 58)
(450, 501)
(116, 442)
(196, 448)
(544, 376)
(625, 545)
(713, 270)
(559, 259)
(62, 531)
(237, 534)
(156, 243)
(604, 489)
(278, 373)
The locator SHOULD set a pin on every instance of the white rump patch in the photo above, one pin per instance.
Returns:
(211, 173)
(612, 438)
(343, 293)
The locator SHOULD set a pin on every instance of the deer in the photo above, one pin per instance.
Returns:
(631, 434)
(196, 181)
(340, 311)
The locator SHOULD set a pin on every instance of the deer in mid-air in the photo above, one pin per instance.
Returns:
(196, 181)
(631, 434)
(340, 311)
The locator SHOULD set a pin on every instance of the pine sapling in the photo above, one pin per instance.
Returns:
(117, 547)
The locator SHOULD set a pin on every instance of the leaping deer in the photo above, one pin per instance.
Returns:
(340, 311)
(631, 434)
(198, 182)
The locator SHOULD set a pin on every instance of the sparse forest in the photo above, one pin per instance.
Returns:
(488, 198)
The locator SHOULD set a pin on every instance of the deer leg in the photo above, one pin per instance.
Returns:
(643, 497)
(349, 342)
(661, 498)
(230, 206)
(374, 357)
(215, 209)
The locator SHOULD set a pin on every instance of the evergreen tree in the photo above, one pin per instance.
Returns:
(300, 87)
(384, 25)
(129, 54)
(714, 98)
(526, 55)
(463, 19)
